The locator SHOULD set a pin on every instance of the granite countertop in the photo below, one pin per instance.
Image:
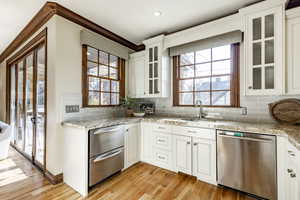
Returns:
(289, 131)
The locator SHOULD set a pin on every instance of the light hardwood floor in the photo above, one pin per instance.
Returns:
(19, 180)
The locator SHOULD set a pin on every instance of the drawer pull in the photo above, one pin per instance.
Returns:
(160, 127)
(293, 175)
(188, 143)
(291, 153)
(195, 144)
(160, 157)
(192, 131)
(289, 170)
(161, 140)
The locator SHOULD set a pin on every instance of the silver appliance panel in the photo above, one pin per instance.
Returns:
(105, 165)
(247, 162)
(106, 139)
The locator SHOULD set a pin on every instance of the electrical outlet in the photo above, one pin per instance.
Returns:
(72, 108)
(244, 111)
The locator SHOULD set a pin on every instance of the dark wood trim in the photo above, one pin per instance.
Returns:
(175, 80)
(293, 4)
(235, 76)
(54, 179)
(84, 76)
(122, 77)
(52, 8)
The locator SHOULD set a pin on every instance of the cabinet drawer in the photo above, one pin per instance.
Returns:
(195, 132)
(162, 140)
(162, 158)
(162, 128)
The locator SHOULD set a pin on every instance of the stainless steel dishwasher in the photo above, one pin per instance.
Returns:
(106, 153)
(247, 162)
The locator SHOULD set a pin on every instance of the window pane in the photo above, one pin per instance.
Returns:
(150, 54)
(202, 84)
(150, 86)
(257, 53)
(269, 57)
(113, 61)
(92, 54)
(256, 29)
(221, 83)
(220, 53)
(186, 98)
(269, 77)
(93, 83)
(204, 97)
(203, 56)
(186, 85)
(156, 91)
(115, 86)
(187, 59)
(93, 98)
(221, 98)
(105, 98)
(115, 98)
(92, 69)
(103, 71)
(150, 70)
(113, 73)
(105, 85)
(269, 25)
(155, 70)
(257, 78)
(155, 53)
(103, 58)
(187, 71)
(221, 67)
(203, 70)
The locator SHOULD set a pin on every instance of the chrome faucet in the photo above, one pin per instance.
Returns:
(199, 104)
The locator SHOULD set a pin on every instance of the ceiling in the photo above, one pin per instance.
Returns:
(132, 19)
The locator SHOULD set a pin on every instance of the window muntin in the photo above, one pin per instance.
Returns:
(102, 78)
(206, 75)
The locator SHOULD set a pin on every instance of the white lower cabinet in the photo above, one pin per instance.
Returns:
(204, 159)
(132, 145)
(293, 173)
(146, 146)
(182, 154)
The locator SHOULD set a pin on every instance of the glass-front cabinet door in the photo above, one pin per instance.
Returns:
(153, 74)
(264, 56)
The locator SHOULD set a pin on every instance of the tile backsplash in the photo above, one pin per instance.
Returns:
(256, 106)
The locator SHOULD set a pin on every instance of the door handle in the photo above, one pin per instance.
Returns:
(247, 138)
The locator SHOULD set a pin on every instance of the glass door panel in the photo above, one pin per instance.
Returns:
(29, 112)
(13, 102)
(20, 108)
(40, 106)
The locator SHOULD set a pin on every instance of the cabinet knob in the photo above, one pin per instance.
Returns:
(293, 175)
(250, 87)
(195, 144)
(188, 143)
(289, 170)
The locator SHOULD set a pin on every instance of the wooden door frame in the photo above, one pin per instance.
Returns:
(39, 40)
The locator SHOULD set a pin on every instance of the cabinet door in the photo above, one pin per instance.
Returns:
(136, 76)
(152, 75)
(146, 146)
(133, 144)
(264, 53)
(182, 154)
(292, 55)
(204, 160)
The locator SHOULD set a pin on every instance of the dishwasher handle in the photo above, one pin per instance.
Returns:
(108, 155)
(247, 138)
(107, 130)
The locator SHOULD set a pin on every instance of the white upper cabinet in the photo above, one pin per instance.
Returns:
(293, 49)
(157, 68)
(264, 48)
(136, 75)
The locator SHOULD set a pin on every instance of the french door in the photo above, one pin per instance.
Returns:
(28, 104)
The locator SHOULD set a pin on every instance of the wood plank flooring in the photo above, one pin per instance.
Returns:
(19, 180)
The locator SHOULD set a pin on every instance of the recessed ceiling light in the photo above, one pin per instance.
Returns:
(157, 13)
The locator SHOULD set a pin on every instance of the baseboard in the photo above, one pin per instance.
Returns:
(54, 179)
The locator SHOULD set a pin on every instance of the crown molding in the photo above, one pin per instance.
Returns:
(52, 8)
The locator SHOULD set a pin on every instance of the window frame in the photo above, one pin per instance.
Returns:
(234, 80)
(85, 78)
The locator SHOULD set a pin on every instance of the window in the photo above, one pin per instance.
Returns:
(103, 78)
(209, 75)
